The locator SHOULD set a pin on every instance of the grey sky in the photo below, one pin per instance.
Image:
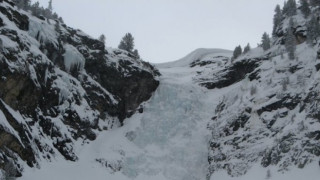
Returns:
(166, 30)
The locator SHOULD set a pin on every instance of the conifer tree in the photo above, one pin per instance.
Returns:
(277, 18)
(285, 8)
(237, 52)
(265, 41)
(50, 5)
(290, 42)
(35, 8)
(48, 11)
(313, 30)
(127, 43)
(102, 38)
(290, 8)
(246, 49)
(305, 8)
(136, 54)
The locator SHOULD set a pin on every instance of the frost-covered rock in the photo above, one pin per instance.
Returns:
(60, 87)
(269, 111)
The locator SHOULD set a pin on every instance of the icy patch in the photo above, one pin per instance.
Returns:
(73, 58)
(43, 32)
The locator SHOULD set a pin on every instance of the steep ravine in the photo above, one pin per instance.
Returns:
(168, 140)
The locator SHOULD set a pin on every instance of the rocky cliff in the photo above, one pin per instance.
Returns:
(269, 114)
(59, 86)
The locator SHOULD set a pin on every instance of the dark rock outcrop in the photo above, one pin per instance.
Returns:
(232, 74)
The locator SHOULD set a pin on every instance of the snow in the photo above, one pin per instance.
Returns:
(8, 43)
(201, 53)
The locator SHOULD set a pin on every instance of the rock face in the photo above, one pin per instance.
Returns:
(268, 112)
(59, 86)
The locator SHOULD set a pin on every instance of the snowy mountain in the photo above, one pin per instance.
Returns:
(72, 109)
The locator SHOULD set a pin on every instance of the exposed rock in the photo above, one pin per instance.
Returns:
(232, 74)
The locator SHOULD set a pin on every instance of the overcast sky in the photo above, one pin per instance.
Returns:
(166, 30)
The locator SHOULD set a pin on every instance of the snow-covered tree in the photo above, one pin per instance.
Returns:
(290, 8)
(237, 52)
(313, 30)
(265, 41)
(246, 49)
(305, 9)
(290, 42)
(277, 18)
(127, 43)
(102, 38)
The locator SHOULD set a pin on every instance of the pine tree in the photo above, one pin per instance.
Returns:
(285, 8)
(55, 16)
(102, 38)
(127, 43)
(246, 49)
(136, 54)
(265, 41)
(313, 30)
(35, 8)
(305, 8)
(237, 52)
(60, 19)
(290, 41)
(277, 18)
(50, 5)
(290, 8)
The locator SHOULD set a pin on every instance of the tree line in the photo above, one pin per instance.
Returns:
(290, 9)
(126, 43)
(38, 10)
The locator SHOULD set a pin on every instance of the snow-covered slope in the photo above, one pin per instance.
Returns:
(202, 54)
